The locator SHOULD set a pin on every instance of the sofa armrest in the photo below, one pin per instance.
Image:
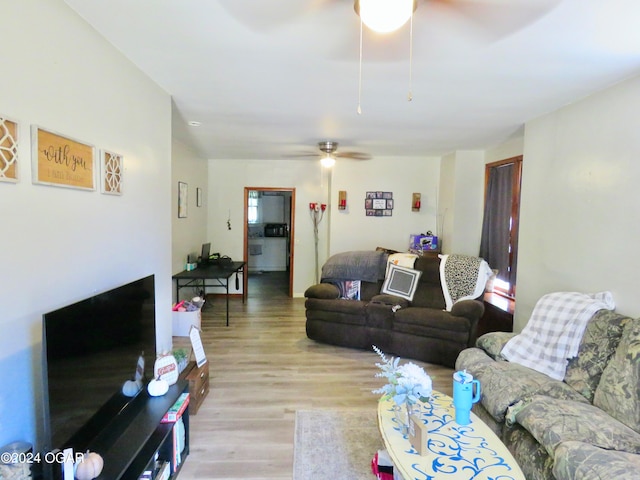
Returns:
(471, 309)
(327, 291)
(391, 300)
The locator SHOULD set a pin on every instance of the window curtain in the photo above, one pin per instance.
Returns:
(496, 224)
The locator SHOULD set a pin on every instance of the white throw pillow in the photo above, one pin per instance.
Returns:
(401, 281)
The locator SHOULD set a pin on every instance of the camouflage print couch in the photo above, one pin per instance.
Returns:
(583, 428)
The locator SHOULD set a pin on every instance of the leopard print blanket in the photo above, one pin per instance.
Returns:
(463, 277)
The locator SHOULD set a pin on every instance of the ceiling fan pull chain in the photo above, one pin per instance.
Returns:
(360, 73)
(410, 96)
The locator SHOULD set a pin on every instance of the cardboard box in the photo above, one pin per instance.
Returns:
(182, 322)
(423, 242)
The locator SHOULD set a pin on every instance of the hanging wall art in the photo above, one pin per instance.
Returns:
(182, 199)
(378, 204)
(111, 169)
(61, 161)
(8, 150)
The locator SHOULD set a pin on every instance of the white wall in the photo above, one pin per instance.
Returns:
(61, 245)
(351, 229)
(508, 149)
(188, 234)
(580, 203)
(461, 201)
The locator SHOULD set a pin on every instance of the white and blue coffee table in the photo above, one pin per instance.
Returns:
(453, 451)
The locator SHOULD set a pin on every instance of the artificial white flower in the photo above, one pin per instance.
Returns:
(408, 383)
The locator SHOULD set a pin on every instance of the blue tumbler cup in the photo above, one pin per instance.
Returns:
(464, 396)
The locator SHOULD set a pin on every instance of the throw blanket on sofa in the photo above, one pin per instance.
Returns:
(462, 277)
(553, 333)
(368, 266)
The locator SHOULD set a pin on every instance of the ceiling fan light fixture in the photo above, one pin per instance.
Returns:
(328, 161)
(384, 16)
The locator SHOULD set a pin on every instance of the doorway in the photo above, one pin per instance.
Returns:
(269, 232)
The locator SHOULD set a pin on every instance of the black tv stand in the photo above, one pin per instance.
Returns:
(129, 442)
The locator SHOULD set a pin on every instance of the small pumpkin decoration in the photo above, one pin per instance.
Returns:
(157, 387)
(89, 466)
(131, 387)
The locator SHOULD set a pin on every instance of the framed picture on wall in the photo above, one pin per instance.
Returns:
(198, 197)
(182, 199)
(378, 204)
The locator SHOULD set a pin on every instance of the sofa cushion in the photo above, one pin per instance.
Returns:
(581, 461)
(322, 290)
(493, 342)
(504, 384)
(380, 315)
(597, 346)
(390, 300)
(553, 421)
(428, 322)
(532, 458)
(429, 293)
(618, 392)
(350, 312)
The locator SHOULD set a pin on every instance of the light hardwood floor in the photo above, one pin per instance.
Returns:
(262, 369)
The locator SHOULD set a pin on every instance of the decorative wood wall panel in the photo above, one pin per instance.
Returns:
(8, 150)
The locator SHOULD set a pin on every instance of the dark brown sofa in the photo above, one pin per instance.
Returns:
(420, 329)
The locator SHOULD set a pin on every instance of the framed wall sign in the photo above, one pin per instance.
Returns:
(8, 150)
(62, 161)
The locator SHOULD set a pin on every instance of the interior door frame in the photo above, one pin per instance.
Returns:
(292, 229)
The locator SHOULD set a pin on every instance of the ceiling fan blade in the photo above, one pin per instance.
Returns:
(353, 155)
(301, 155)
(265, 16)
(494, 19)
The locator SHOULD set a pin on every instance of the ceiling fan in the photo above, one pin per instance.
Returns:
(329, 153)
(495, 18)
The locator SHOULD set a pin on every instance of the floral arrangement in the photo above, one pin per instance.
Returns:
(407, 384)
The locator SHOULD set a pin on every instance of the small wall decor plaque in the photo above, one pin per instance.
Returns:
(8, 150)
(378, 204)
(111, 168)
(182, 199)
(61, 161)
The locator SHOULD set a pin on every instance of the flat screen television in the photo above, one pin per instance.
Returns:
(91, 348)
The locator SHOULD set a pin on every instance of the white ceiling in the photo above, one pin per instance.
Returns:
(269, 79)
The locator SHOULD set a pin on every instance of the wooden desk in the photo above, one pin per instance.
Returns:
(453, 451)
(218, 274)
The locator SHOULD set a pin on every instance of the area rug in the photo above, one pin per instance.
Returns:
(331, 444)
